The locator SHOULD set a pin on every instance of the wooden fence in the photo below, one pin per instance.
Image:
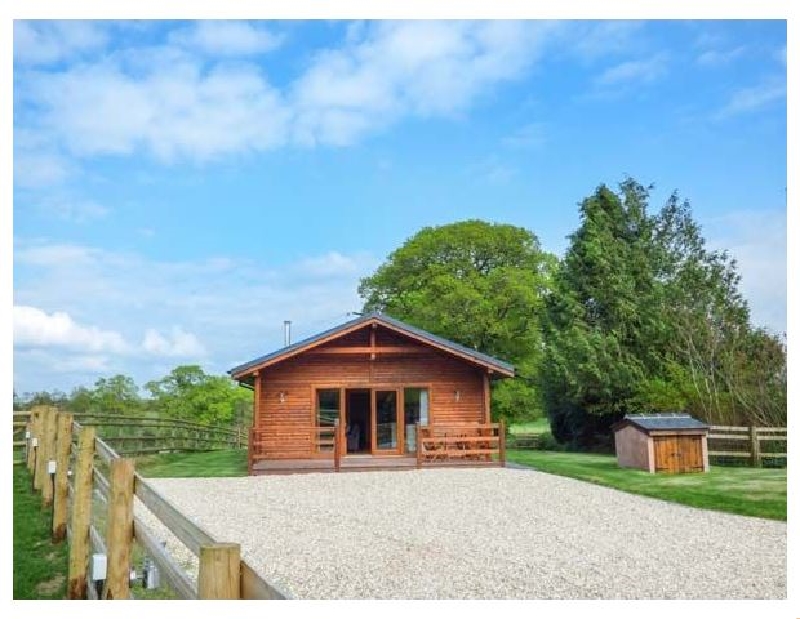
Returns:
(752, 444)
(85, 466)
(743, 444)
(142, 435)
(21, 419)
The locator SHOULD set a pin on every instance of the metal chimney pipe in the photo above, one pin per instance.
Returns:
(287, 332)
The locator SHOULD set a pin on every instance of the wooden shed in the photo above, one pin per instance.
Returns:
(374, 392)
(667, 442)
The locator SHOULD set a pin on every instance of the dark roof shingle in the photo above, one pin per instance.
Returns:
(663, 421)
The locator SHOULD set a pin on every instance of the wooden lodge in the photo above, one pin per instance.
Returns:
(373, 393)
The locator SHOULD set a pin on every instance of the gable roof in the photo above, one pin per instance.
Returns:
(661, 421)
(381, 319)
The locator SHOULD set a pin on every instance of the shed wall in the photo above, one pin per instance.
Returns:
(633, 448)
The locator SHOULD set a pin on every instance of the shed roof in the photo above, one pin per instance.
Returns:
(381, 319)
(662, 421)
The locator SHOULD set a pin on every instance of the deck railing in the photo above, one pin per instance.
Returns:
(288, 442)
(465, 443)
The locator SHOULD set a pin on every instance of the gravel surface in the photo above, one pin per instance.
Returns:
(480, 533)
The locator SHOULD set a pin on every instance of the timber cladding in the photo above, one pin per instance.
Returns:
(371, 358)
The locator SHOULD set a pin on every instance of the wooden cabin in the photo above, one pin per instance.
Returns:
(662, 443)
(374, 392)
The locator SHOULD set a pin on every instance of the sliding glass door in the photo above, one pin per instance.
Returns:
(386, 416)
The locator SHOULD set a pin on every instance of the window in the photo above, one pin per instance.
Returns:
(327, 407)
(415, 400)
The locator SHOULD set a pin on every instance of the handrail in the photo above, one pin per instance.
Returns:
(192, 536)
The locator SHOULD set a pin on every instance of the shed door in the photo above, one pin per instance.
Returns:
(690, 449)
(665, 451)
(678, 454)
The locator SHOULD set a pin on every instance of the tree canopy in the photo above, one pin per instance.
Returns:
(475, 283)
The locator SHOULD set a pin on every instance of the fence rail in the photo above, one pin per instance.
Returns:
(97, 470)
(747, 443)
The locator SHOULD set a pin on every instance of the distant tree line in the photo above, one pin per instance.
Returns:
(187, 393)
(638, 316)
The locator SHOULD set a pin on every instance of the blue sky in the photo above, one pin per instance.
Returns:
(181, 188)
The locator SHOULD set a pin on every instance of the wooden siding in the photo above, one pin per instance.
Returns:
(632, 448)
(298, 378)
(678, 454)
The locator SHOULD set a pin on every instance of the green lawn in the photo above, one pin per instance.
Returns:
(539, 426)
(40, 567)
(221, 463)
(739, 490)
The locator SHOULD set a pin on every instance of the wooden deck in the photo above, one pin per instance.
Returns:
(353, 464)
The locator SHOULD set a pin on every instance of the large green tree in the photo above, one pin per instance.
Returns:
(476, 283)
(643, 317)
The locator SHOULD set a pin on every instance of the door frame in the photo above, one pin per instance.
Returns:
(399, 419)
(399, 388)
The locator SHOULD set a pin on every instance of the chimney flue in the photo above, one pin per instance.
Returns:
(287, 332)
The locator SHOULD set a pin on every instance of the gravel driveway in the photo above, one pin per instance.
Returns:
(480, 533)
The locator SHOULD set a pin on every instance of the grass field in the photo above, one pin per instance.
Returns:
(540, 426)
(221, 463)
(40, 567)
(738, 490)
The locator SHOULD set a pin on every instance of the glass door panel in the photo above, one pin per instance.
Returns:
(386, 414)
(415, 402)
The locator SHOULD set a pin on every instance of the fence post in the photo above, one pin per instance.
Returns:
(336, 446)
(250, 447)
(61, 496)
(502, 442)
(419, 445)
(28, 450)
(40, 466)
(755, 447)
(81, 515)
(218, 578)
(49, 453)
(119, 532)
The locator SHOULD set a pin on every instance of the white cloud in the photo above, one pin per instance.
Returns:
(54, 256)
(76, 210)
(47, 42)
(332, 264)
(752, 99)
(34, 169)
(179, 344)
(531, 135)
(395, 69)
(645, 70)
(179, 107)
(757, 239)
(227, 38)
(175, 111)
(34, 327)
(597, 39)
(233, 308)
(717, 58)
